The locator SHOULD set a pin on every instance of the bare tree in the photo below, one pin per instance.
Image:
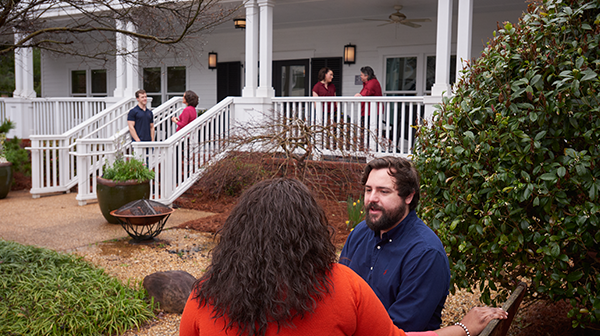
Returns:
(66, 27)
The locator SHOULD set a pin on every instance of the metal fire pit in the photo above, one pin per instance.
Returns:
(143, 219)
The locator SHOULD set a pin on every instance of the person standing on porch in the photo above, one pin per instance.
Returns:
(324, 87)
(140, 119)
(371, 86)
(399, 256)
(190, 99)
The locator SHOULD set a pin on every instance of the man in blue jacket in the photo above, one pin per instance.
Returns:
(400, 257)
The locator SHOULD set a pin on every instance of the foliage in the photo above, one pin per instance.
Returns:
(6, 126)
(18, 156)
(49, 293)
(232, 175)
(509, 167)
(356, 212)
(124, 169)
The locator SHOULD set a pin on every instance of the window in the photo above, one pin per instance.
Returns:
(401, 76)
(430, 77)
(78, 83)
(152, 85)
(95, 87)
(174, 79)
(99, 83)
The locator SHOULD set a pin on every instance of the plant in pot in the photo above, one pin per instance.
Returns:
(5, 165)
(126, 180)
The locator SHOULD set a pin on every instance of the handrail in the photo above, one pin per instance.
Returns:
(179, 160)
(353, 129)
(98, 148)
(52, 168)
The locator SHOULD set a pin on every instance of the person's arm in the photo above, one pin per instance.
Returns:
(475, 321)
(131, 125)
(425, 281)
(315, 94)
(152, 132)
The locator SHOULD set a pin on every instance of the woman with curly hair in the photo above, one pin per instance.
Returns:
(274, 272)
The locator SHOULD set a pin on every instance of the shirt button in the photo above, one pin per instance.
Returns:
(390, 240)
(379, 247)
(371, 268)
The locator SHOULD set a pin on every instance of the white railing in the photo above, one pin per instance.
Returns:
(377, 125)
(58, 115)
(179, 160)
(2, 111)
(52, 168)
(99, 147)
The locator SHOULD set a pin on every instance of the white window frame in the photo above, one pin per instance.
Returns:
(420, 79)
(88, 83)
(163, 80)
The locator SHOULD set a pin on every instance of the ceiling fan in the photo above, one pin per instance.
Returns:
(400, 18)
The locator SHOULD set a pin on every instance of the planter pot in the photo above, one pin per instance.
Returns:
(113, 195)
(5, 178)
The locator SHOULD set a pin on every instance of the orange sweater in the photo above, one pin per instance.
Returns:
(351, 309)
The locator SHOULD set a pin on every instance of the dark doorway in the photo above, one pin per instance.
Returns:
(333, 63)
(229, 80)
(290, 78)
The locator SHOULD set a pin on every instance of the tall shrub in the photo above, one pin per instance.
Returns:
(510, 164)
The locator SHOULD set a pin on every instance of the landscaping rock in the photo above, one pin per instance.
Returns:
(170, 289)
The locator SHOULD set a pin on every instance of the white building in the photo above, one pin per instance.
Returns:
(295, 38)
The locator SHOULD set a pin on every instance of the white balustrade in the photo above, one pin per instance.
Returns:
(100, 146)
(58, 115)
(2, 111)
(377, 125)
(179, 160)
(53, 169)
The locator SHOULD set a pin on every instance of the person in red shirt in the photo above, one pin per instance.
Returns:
(371, 86)
(190, 99)
(274, 272)
(324, 87)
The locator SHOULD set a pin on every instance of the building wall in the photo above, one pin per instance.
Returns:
(373, 45)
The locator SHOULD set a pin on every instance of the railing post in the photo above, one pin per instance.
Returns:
(83, 168)
(36, 172)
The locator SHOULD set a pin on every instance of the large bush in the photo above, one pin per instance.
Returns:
(509, 165)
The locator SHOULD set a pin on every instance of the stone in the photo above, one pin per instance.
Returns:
(170, 289)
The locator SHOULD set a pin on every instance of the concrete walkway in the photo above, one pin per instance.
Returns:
(57, 222)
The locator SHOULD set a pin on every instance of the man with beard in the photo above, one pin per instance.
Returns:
(399, 256)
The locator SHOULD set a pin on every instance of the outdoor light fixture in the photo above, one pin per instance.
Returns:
(212, 60)
(240, 23)
(349, 54)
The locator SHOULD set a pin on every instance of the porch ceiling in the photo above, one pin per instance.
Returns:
(303, 13)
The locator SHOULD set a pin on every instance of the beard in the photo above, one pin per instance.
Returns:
(387, 219)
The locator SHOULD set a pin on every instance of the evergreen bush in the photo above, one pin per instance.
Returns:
(510, 166)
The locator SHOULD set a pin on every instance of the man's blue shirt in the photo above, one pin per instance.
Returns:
(407, 268)
(143, 120)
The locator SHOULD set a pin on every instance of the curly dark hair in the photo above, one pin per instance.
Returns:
(403, 171)
(273, 261)
(191, 98)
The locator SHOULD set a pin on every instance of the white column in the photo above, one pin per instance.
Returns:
(120, 60)
(442, 49)
(132, 62)
(265, 87)
(251, 62)
(465, 31)
(23, 70)
(18, 67)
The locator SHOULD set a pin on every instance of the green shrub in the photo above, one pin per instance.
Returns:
(124, 169)
(510, 165)
(18, 156)
(356, 212)
(43, 292)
